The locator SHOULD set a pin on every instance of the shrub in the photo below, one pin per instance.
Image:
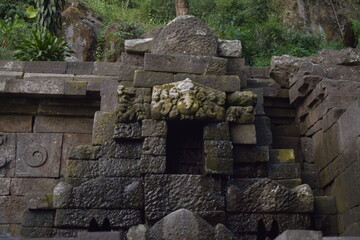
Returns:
(43, 46)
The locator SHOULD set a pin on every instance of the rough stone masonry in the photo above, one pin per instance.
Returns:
(189, 144)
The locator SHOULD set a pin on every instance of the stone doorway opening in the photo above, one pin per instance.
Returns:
(184, 152)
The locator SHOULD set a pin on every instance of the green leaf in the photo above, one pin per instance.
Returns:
(31, 11)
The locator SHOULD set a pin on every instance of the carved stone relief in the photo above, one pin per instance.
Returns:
(7, 154)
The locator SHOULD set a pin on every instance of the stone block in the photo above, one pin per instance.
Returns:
(39, 218)
(349, 126)
(259, 106)
(80, 218)
(82, 169)
(38, 155)
(52, 87)
(127, 73)
(95, 78)
(185, 63)
(250, 154)
(229, 48)
(99, 235)
(106, 68)
(7, 155)
(311, 178)
(103, 127)
(303, 87)
(84, 152)
(26, 186)
(306, 147)
(149, 79)
(243, 133)
(127, 131)
(153, 128)
(260, 72)
(324, 205)
(242, 99)
(48, 76)
(2, 86)
(280, 142)
(245, 222)
(263, 131)
(132, 59)
(331, 117)
(45, 67)
(124, 150)
(137, 232)
(154, 146)
(278, 156)
(167, 193)
(235, 65)
(240, 115)
(300, 234)
(330, 172)
(138, 45)
(94, 86)
(217, 149)
(75, 88)
(11, 209)
(250, 170)
(5, 186)
(290, 183)
(12, 66)
(217, 131)
(286, 130)
(115, 167)
(243, 195)
(225, 83)
(152, 164)
(218, 166)
(80, 68)
(284, 171)
(10, 75)
(63, 125)
(67, 107)
(108, 93)
(17, 106)
(69, 141)
(14, 123)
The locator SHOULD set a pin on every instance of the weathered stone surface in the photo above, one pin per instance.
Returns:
(134, 104)
(154, 146)
(264, 135)
(217, 149)
(300, 234)
(153, 128)
(45, 67)
(33, 232)
(325, 205)
(290, 183)
(216, 131)
(243, 133)
(7, 155)
(240, 115)
(48, 76)
(112, 167)
(348, 56)
(75, 88)
(152, 164)
(4, 75)
(186, 35)
(149, 79)
(229, 48)
(267, 196)
(39, 218)
(244, 222)
(187, 100)
(127, 131)
(126, 150)
(45, 124)
(67, 107)
(185, 64)
(259, 72)
(250, 154)
(11, 209)
(218, 166)
(81, 217)
(103, 127)
(4, 186)
(38, 155)
(108, 95)
(17, 66)
(284, 171)
(278, 156)
(181, 224)
(80, 68)
(242, 99)
(26, 186)
(137, 232)
(349, 126)
(167, 193)
(15, 123)
(114, 235)
(87, 152)
(100, 193)
(132, 59)
(303, 87)
(225, 83)
(222, 233)
(82, 169)
(138, 45)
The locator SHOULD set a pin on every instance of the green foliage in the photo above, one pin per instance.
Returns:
(12, 31)
(356, 26)
(43, 46)
(49, 14)
(10, 8)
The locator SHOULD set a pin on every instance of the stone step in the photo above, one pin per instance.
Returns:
(281, 156)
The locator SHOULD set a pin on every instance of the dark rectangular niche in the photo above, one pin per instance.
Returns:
(184, 147)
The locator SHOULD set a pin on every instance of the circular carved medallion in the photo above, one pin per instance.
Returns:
(36, 155)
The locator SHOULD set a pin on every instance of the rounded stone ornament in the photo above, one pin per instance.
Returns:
(36, 155)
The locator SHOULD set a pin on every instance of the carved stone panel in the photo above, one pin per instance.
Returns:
(187, 100)
(38, 155)
(7, 154)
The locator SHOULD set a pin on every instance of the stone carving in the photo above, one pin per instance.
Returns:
(187, 100)
(134, 104)
(240, 115)
(2, 151)
(36, 155)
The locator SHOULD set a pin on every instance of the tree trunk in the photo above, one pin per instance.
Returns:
(182, 7)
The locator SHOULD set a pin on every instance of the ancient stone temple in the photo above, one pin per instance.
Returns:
(181, 140)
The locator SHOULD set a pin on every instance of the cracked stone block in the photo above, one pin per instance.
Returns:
(38, 155)
(154, 146)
